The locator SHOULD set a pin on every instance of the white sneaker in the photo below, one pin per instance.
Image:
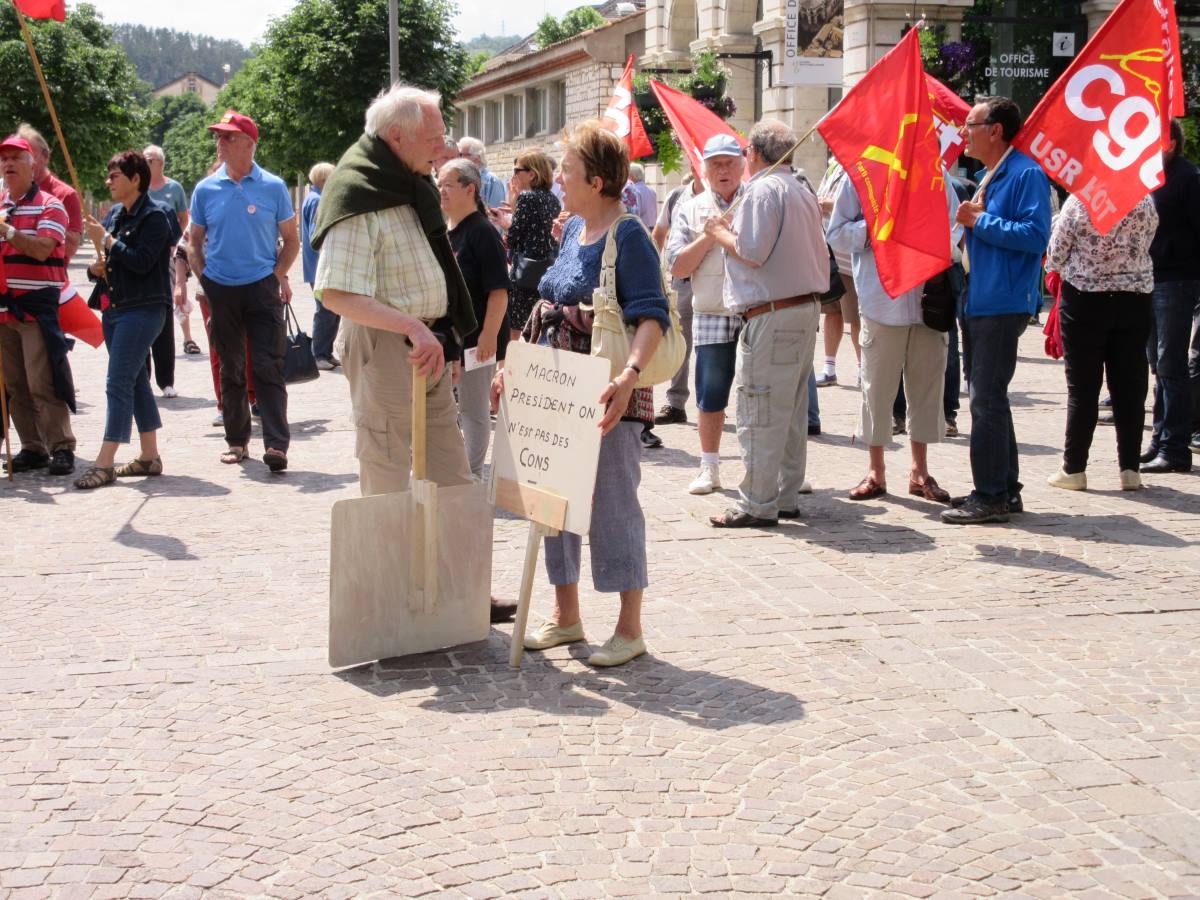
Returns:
(169, 391)
(707, 481)
(219, 420)
(325, 365)
(1076, 482)
(1131, 480)
(806, 487)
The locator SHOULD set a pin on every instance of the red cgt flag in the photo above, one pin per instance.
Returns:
(622, 116)
(949, 113)
(692, 121)
(883, 133)
(43, 9)
(1101, 128)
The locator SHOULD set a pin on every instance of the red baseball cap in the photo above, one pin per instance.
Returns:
(235, 121)
(12, 142)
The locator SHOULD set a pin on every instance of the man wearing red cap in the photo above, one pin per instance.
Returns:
(241, 211)
(36, 371)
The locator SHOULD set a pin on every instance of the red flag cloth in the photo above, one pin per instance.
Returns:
(43, 9)
(1101, 128)
(949, 113)
(77, 318)
(883, 133)
(1053, 327)
(692, 121)
(622, 116)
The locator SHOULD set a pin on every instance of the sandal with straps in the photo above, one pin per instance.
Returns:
(94, 477)
(139, 466)
(234, 455)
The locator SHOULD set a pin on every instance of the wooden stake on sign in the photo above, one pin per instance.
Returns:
(4, 417)
(424, 548)
(62, 141)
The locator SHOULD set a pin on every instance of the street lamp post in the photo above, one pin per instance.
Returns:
(393, 44)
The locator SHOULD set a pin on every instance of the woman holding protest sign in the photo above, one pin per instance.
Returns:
(594, 169)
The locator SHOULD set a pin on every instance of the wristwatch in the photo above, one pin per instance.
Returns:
(9, 232)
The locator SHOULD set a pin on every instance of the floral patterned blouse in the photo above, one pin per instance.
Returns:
(1117, 261)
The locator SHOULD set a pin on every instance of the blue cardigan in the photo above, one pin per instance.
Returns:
(1006, 244)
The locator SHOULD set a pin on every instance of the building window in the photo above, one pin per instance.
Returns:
(493, 120)
(192, 87)
(475, 121)
(558, 106)
(537, 110)
(514, 117)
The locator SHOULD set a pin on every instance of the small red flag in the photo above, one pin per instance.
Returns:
(883, 133)
(77, 318)
(1101, 128)
(43, 9)
(949, 113)
(622, 116)
(692, 121)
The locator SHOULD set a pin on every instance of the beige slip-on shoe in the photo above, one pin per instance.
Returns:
(550, 635)
(617, 651)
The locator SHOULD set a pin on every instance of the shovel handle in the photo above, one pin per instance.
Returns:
(418, 424)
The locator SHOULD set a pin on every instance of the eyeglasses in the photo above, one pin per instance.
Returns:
(977, 124)
(517, 170)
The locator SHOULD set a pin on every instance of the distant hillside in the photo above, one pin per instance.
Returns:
(162, 54)
(489, 44)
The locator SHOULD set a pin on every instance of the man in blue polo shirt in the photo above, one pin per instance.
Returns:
(239, 214)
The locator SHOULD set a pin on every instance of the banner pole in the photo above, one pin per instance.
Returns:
(4, 416)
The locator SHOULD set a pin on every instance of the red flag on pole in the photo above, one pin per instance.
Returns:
(1101, 128)
(692, 121)
(949, 114)
(622, 116)
(77, 318)
(43, 9)
(883, 133)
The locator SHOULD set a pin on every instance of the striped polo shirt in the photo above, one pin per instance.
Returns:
(37, 214)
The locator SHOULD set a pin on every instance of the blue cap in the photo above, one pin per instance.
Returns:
(722, 145)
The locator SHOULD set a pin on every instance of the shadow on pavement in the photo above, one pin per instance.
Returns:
(476, 678)
(844, 525)
(308, 429)
(164, 545)
(1102, 529)
(183, 404)
(1044, 560)
(168, 485)
(305, 482)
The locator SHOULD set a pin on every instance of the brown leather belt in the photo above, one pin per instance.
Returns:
(775, 305)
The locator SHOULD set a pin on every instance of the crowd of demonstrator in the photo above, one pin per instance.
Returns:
(440, 273)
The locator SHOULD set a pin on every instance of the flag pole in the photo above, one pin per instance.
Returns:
(4, 416)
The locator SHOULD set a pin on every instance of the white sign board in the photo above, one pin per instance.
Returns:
(812, 43)
(547, 433)
(1064, 43)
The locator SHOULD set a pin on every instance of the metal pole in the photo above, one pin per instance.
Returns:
(393, 44)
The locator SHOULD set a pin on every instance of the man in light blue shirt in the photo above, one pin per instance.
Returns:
(325, 322)
(493, 191)
(239, 215)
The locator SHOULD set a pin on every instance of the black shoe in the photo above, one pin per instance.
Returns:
(1150, 454)
(976, 512)
(789, 513)
(254, 411)
(735, 518)
(1161, 464)
(62, 462)
(650, 440)
(670, 415)
(1016, 505)
(1105, 419)
(814, 429)
(502, 612)
(898, 425)
(27, 461)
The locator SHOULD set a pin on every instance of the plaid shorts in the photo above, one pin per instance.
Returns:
(714, 329)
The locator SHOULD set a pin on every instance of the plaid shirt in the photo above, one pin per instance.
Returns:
(711, 329)
(384, 255)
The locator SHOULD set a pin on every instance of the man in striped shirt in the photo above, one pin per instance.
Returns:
(37, 374)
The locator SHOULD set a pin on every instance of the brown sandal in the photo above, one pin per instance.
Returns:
(234, 455)
(276, 460)
(94, 477)
(868, 489)
(138, 467)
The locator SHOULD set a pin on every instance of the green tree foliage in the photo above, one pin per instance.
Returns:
(476, 62)
(491, 44)
(189, 147)
(94, 87)
(320, 66)
(551, 30)
(166, 111)
(163, 54)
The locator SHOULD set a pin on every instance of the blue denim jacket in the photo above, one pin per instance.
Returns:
(139, 260)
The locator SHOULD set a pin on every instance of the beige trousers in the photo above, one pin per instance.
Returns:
(43, 422)
(916, 352)
(380, 376)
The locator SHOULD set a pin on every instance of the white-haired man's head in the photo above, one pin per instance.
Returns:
(409, 120)
(472, 149)
(637, 173)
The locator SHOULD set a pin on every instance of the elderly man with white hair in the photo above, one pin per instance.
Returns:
(387, 268)
(494, 192)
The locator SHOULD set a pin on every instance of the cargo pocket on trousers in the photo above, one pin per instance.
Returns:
(753, 406)
(371, 439)
(785, 348)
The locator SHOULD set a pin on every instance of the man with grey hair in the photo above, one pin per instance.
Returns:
(647, 200)
(494, 192)
(776, 268)
(449, 152)
(170, 195)
(63, 192)
(387, 268)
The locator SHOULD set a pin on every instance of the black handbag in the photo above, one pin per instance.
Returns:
(836, 288)
(937, 303)
(527, 272)
(299, 364)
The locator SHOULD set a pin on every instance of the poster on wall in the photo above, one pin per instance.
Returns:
(812, 43)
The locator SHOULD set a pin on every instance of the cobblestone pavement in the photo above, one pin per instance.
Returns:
(866, 702)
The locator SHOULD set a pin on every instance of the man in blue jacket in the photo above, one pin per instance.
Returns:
(1007, 232)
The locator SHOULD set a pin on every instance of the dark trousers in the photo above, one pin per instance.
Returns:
(162, 352)
(995, 467)
(1103, 333)
(1194, 372)
(325, 329)
(1175, 305)
(250, 314)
